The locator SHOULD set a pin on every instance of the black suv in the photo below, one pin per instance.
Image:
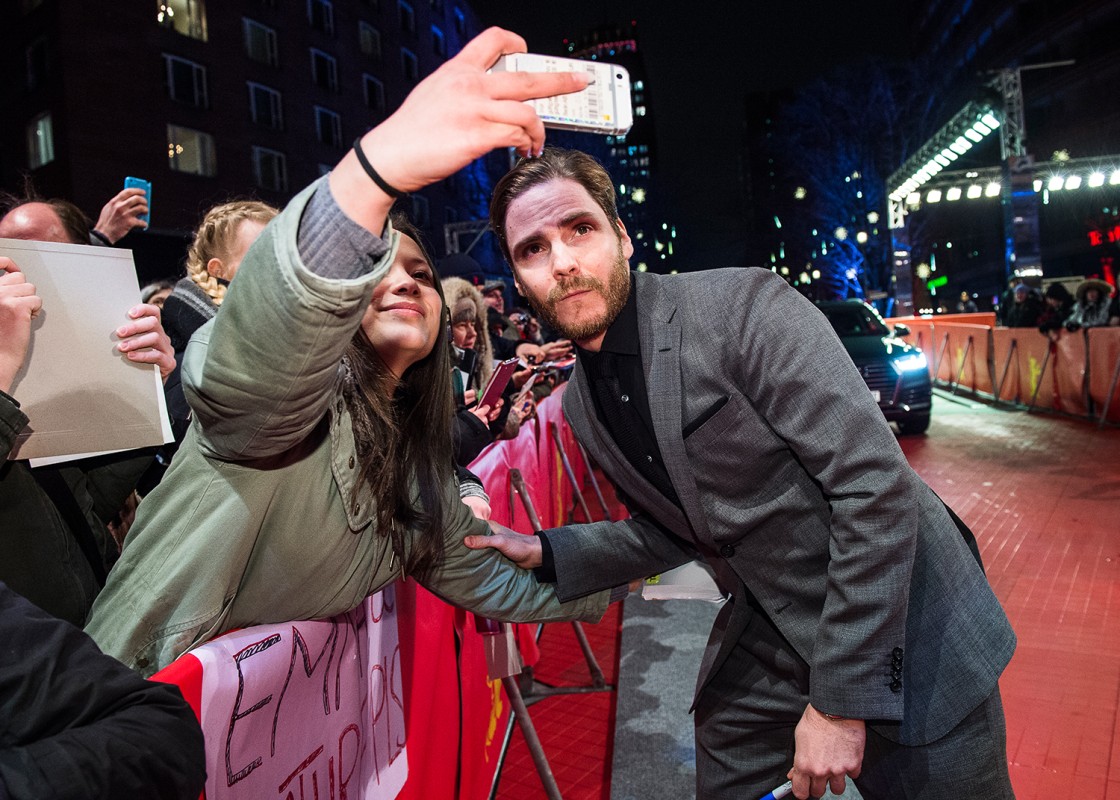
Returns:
(895, 372)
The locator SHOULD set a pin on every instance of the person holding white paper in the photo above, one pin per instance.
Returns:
(54, 545)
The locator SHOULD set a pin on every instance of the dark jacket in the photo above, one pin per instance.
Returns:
(77, 723)
(47, 514)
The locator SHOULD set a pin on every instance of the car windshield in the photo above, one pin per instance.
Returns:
(854, 320)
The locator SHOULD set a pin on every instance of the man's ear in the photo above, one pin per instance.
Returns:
(624, 238)
(216, 268)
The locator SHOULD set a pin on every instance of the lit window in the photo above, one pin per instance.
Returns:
(260, 43)
(187, 17)
(320, 13)
(270, 169)
(190, 151)
(439, 45)
(409, 65)
(408, 17)
(369, 39)
(375, 93)
(328, 127)
(186, 81)
(265, 106)
(324, 70)
(40, 141)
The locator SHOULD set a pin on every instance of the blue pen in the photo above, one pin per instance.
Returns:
(781, 791)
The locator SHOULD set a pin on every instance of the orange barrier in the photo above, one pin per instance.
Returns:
(448, 718)
(1104, 372)
(1073, 374)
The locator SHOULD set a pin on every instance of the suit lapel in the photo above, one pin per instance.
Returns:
(660, 336)
(580, 411)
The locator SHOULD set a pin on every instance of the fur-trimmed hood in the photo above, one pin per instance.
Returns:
(1092, 283)
(455, 290)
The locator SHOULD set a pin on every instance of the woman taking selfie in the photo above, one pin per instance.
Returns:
(317, 468)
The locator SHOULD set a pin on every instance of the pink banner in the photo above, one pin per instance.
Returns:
(304, 710)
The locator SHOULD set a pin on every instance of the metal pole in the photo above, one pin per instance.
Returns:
(1111, 392)
(1006, 369)
(594, 482)
(532, 741)
(569, 471)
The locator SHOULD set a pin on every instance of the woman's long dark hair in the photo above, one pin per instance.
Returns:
(407, 442)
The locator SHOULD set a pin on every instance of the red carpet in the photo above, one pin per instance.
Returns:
(576, 730)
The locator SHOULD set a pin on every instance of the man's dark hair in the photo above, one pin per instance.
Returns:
(554, 162)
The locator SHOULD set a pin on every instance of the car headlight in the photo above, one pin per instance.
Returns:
(910, 363)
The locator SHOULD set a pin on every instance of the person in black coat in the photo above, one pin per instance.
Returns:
(78, 723)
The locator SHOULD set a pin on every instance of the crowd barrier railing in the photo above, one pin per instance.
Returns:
(390, 700)
(1073, 373)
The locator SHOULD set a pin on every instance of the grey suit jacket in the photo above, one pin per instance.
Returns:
(794, 486)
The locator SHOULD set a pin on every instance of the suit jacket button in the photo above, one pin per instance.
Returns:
(897, 653)
(727, 551)
(896, 686)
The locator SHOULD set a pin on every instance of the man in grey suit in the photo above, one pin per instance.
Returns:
(861, 639)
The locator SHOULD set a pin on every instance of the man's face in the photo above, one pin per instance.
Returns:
(34, 222)
(569, 259)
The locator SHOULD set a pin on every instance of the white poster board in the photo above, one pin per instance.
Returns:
(81, 394)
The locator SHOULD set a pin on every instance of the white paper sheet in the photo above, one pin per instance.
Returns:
(81, 394)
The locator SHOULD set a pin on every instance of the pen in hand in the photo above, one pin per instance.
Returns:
(780, 792)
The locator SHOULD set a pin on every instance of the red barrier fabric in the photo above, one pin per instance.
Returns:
(455, 717)
(966, 356)
(1069, 374)
(1010, 380)
(1036, 364)
(1104, 369)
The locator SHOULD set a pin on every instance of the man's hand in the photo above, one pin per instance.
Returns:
(122, 213)
(18, 306)
(522, 550)
(826, 751)
(144, 341)
(556, 350)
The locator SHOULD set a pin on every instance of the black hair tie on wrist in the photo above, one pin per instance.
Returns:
(373, 176)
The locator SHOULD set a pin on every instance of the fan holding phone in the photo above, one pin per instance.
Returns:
(127, 209)
(482, 385)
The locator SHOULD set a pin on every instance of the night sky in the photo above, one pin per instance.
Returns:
(700, 66)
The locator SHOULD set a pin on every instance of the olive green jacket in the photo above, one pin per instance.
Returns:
(254, 521)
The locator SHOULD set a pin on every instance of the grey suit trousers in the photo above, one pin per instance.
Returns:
(745, 720)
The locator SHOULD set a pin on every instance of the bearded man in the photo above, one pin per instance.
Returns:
(861, 639)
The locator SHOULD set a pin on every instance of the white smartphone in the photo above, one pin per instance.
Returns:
(603, 107)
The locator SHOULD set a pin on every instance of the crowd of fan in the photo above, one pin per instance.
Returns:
(64, 526)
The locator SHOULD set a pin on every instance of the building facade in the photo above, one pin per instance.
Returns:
(212, 101)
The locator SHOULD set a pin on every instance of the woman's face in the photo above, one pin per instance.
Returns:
(464, 334)
(247, 233)
(403, 317)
